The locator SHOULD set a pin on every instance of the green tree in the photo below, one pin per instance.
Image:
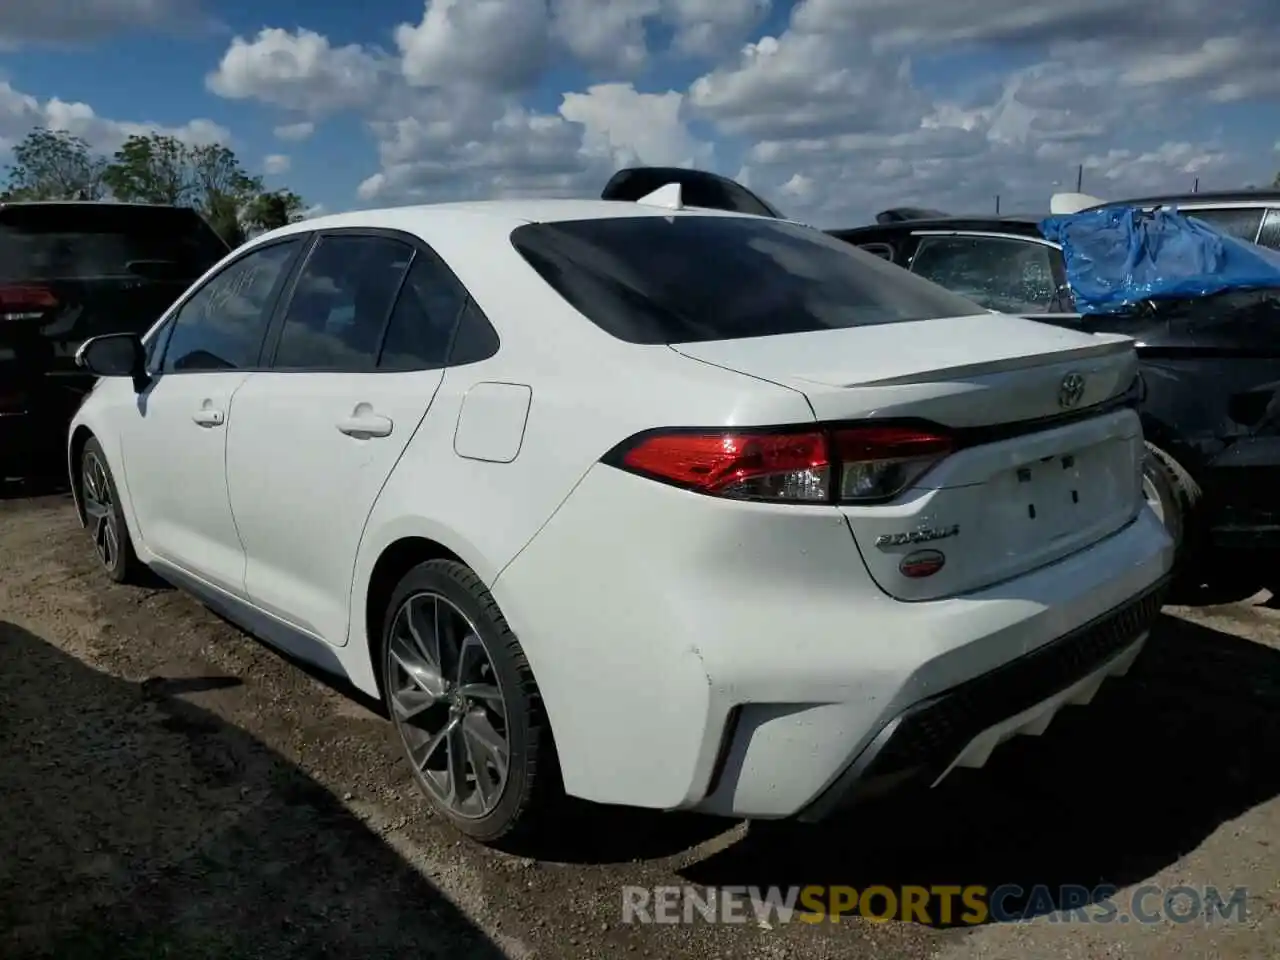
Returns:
(162, 169)
(267, 211)
(54, 165)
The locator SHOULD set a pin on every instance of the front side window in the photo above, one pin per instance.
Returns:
(685, 279)
(1009, 275)
(222, 325)
(340, 304)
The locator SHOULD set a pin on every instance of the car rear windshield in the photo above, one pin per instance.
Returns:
(686, 279)
(86, 240)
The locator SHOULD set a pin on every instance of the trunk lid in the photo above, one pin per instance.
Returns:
(1048, 462)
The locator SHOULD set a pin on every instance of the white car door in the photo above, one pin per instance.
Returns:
(174, 443)
(359, 354)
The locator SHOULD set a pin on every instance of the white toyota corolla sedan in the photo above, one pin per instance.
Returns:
(649, 505)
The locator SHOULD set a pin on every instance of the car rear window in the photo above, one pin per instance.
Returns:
(79, 241)
(686, 279)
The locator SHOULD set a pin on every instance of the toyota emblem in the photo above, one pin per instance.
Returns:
(1071, 392)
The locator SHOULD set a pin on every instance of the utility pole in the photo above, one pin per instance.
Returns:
(1196, 188)
(1079, 178)
(997, 204)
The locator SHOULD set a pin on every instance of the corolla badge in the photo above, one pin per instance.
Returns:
(1071, 390)
(918, 535)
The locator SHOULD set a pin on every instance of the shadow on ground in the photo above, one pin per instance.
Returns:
(137, 825)
(1230, 576)
(1108, 795)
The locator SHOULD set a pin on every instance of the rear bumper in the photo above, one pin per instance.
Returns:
(962, 726)
(737, 659)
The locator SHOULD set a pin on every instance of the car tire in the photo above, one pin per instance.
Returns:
(1175, 496)
(479, 685)
(104, 517)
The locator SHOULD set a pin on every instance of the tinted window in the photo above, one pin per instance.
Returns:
(78, 241)
(1241, 222)
(688, 278)
(222, 325)
(1013, 276)
(339, 306)
(1270, 235)
(424, 318)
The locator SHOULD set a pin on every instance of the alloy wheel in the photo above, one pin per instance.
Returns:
(99, 508)
(447, 704)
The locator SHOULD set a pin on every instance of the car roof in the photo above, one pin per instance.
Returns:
(507, 214)
(1214, 196)
(1012, 223)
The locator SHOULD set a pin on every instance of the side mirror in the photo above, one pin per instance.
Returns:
(113, 355)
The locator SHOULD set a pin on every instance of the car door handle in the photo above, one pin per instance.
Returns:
(208, 418)
(366, 425)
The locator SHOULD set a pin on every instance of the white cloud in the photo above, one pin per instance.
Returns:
(834, 101)
(633, 128)
(298, 70)
(708, 27)
(20, 113)
(606, 33)
(276, 163)
(295, 132)
(492, 43)
(853, 106)
(74, 21)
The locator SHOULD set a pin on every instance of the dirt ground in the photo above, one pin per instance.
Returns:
(169, 787)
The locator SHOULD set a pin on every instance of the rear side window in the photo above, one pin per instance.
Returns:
(77, 241)
(423, 321)
(686, 279)
(1012, 276)
(340, 304)
(1239, 222)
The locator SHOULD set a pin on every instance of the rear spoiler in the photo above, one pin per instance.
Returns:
(661, 186)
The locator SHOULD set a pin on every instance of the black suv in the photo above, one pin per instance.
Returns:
(69, 271)
(1211, 366)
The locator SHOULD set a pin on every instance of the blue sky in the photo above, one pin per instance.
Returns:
(833, 109)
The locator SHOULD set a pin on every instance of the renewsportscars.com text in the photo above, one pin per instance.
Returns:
(936, 905)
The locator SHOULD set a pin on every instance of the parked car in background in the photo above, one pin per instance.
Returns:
(70, 271)
(1211, 368)
(1252, 215)
(663, 507)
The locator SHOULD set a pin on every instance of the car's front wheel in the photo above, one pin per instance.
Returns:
(104, 517)
(464, 702)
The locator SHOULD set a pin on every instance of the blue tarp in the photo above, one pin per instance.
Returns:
(1120, 256)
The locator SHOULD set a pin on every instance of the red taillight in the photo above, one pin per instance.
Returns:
(24, 302)
(745, 466)
(845, 464)
(880, 462)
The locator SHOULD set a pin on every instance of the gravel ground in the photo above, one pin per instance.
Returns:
(172, 788)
